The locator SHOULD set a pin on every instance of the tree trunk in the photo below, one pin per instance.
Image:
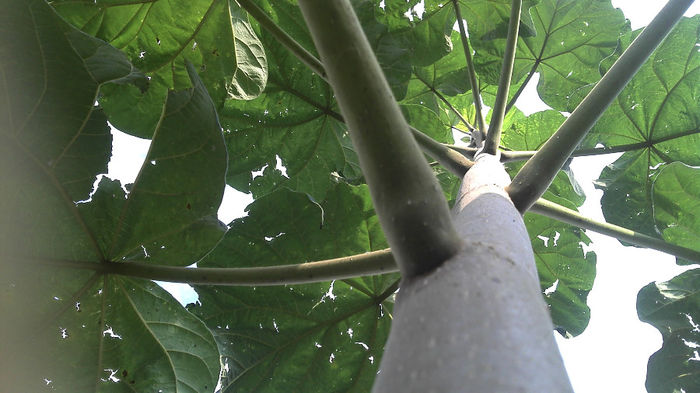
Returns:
(478, 323)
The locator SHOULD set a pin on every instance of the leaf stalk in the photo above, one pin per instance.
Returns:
(493, 137)
(563, 214)
(480, 123)
(370, 263)
(408, 200)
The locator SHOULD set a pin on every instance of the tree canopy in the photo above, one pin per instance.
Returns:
(223, 95)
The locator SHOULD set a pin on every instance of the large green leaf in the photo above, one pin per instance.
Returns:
(427, 36)
(573, 36)
(676, 196)
(158, 36)
(295, 120)
(673, 307)
(110, 335)
(436, 85)
(73, 330)
(54, 140)
(306, 338)
(287, 227)
(170, 211)
(656, 118)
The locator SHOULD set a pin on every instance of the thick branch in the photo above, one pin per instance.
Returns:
(480, 123)
(561, 213)
(408, 200)
(539, 172)
(449, 158)
(493, 137)
(376, 262)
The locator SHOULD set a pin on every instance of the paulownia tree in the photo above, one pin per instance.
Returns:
(359, 100)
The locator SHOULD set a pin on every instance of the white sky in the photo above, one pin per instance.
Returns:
(611, 355)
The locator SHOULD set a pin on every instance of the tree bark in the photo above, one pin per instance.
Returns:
(477, 323)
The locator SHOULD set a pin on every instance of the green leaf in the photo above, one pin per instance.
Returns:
(659, 105)
(488, 19)
(287, 227)
(626, 183)
(306, 338)
(673, 308)
(573, 37)
(251, 75)
(54, 141)
(63, 323)
(132, 110)
(449, 75)
(427, 36)
(114, 335)
(294, 119)
(427, 122)
(675, 194)
(656, 119)
(566, 271)
(159, 36)
(177, 193)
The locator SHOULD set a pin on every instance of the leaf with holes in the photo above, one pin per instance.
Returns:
(306, 338)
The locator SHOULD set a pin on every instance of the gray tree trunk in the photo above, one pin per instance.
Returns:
(478, 323)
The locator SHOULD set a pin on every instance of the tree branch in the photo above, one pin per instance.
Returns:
(408, 200)
(493, 136)
(539, 172)
(449, 158)
(480, 123)
(563, 214)
(371, 263)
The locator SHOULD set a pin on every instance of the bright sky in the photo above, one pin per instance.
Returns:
(611, 355)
